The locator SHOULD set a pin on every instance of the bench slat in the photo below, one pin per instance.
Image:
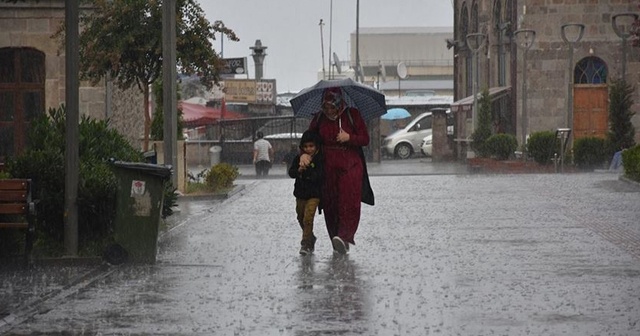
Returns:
(13, 184)
(13, 209)
(14, 225)
(13, 196)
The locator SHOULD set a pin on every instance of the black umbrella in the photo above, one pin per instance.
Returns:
(369, 101)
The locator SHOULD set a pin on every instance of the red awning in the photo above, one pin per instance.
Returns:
(199, 115)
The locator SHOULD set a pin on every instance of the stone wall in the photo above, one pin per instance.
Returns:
(548, 65)
(32, 24)
(548, 73)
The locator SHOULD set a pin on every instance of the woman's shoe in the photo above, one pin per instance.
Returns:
(339, 245)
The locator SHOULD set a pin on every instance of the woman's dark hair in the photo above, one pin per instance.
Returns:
(260, 135)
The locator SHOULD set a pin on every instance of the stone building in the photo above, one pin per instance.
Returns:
(32, 77)
(567, 78)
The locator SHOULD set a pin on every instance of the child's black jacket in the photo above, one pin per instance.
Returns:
(308, 184)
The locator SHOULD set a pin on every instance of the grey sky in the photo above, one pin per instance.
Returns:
(290, 31)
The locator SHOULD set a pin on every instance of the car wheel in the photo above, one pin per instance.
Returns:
(403, 151)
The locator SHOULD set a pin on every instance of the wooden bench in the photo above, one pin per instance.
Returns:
(17, 210)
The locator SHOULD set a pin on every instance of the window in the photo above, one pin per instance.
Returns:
(590, 70)
(22, 78)
(464, 31)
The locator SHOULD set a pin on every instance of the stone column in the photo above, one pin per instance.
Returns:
(440, 143)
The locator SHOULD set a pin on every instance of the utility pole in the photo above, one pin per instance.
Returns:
(321, 24)
(359, 74)
(72, 102)
(330, 33)
(169, 92)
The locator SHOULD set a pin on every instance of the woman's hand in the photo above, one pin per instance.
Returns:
(343, 137)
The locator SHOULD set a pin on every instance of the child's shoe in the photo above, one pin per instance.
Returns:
(305, 250)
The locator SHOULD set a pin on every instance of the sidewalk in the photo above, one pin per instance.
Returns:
(451, 254)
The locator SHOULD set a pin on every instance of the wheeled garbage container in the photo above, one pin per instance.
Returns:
(139, 201)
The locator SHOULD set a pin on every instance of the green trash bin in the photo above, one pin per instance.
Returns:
(139, 202)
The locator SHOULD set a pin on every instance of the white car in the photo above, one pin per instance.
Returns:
(426, 145)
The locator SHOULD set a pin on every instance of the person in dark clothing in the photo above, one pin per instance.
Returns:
(307, 187)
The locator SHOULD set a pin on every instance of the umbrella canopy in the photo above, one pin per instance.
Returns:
(396, 113)
(369, 101)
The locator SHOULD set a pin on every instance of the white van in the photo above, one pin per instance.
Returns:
(406, 141)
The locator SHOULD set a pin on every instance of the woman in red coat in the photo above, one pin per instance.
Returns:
(343, 133)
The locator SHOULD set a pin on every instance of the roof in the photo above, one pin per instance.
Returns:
(409, 84)
(405, 30)
(494, 92)
(418, 100)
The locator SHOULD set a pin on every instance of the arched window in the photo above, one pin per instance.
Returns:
(590, 70)
(464, 21)
(475, 23)
(497, 15)
(500, 32)
(22, 79)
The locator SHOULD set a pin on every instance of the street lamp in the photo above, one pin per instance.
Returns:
(524, 39)
(624, 35)
(475, 42)
(571, 44)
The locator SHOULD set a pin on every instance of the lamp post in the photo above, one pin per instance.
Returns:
(524, 39)
(571, 44)
(624, 35)
(475, 42)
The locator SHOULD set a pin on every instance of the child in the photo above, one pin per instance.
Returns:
(307, 188)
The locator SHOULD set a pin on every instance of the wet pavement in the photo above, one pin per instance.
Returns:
(444, 253)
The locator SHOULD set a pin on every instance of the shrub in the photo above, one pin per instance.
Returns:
(221, 176)
(621, 131)
(502, 145)
(43, 162)
(483, 131)
(589, 152)
(542, 145)
(631, 162)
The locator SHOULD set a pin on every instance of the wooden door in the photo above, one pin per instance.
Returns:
(590, 111)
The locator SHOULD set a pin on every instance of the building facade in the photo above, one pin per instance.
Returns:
(32, 77)
(543, 72)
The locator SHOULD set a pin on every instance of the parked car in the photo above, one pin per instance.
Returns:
(404, 142)
(426, 145)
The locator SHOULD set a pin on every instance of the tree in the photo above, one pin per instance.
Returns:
(483, 131)
(123, 39)
(621, 131)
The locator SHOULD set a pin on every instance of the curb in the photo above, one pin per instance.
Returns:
(236, 189)
(628, 180)
(32, 307)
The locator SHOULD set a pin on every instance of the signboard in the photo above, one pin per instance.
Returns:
(234, 66)
(250, 91)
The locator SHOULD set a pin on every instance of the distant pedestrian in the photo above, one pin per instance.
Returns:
(262, 155)
(287, 159)
(307, 188)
